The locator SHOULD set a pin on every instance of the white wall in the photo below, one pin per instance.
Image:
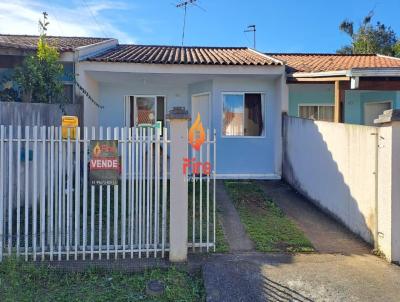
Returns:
(334, 165)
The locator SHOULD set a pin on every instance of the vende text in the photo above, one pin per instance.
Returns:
(104, 164)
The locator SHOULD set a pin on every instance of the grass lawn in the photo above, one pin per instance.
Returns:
(21, 281)
(266, 224)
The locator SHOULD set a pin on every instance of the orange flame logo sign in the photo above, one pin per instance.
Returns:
(96, 150)
(196, 133)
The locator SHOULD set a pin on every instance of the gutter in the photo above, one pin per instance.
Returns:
(374, 72)
(317, 74)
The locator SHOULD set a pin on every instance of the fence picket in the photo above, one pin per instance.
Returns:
(10, 187)
(123, 190)
(164, 193)
(116, 201)
(34, 196)
(26, 220)
(77, 189)
(60, 190)
(2, 178)
(43, 193)
(51, 193)
(85, 192)
(18, 187)
(100, 207)
(92, 209)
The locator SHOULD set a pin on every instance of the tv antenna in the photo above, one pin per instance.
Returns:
(185, 4)
(252, 28)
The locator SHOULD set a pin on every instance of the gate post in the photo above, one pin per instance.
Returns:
(178, 238)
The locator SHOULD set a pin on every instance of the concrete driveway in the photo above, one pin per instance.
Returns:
(315, 277)
(342, 270)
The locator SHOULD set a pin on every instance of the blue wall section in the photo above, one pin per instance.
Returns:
(355, 100)
(309, 94)
(247, 157)
(236, 157)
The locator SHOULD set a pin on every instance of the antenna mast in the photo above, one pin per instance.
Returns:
(184, 4)
(252, 28)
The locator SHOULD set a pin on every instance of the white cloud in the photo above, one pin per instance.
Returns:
(84, 19)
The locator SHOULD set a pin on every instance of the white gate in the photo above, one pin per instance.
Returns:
(49, 210)
(202, 202)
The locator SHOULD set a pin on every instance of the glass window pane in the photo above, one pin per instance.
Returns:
(233, 114)
(253, 114)
(309, 112)
(326, 113)
(145, 108)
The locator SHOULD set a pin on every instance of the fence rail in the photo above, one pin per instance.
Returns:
(48, 209)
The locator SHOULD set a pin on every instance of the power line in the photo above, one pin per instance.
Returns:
(95, 19)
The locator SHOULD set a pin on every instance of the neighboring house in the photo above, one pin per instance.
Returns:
(342, 88)
(13, 49)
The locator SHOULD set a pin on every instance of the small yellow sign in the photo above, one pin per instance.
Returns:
(69, 123)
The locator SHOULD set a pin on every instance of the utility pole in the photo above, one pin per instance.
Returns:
(184, 4)
(252, 28)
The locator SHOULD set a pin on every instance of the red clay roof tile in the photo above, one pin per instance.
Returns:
(63, 44)
(333, 62)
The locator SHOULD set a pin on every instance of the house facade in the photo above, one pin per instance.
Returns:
(237, 91)
(352, 89)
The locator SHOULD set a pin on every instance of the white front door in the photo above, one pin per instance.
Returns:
(201, 104)
(373, 110)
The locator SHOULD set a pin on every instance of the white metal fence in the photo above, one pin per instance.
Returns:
(202, 202)
(49, 210)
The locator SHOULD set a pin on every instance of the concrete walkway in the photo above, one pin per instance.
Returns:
(326, 234)
(230, 220)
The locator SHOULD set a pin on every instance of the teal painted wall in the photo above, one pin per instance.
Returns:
(309, 94)
(355, 100)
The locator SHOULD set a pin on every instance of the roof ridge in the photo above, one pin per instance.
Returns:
(178, 46)
(318, 54)
(266, 56)
(51, 36)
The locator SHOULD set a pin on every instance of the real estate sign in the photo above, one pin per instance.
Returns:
(104, 162)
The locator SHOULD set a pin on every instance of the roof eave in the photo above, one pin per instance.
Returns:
(374, 72)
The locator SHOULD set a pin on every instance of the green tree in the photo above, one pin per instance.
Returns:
(39, 76)
(370, 38)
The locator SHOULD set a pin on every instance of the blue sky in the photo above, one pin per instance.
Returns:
(282, 26)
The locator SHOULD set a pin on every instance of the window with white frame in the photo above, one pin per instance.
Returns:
(147, 110)
(243, 114)
(317, 112)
